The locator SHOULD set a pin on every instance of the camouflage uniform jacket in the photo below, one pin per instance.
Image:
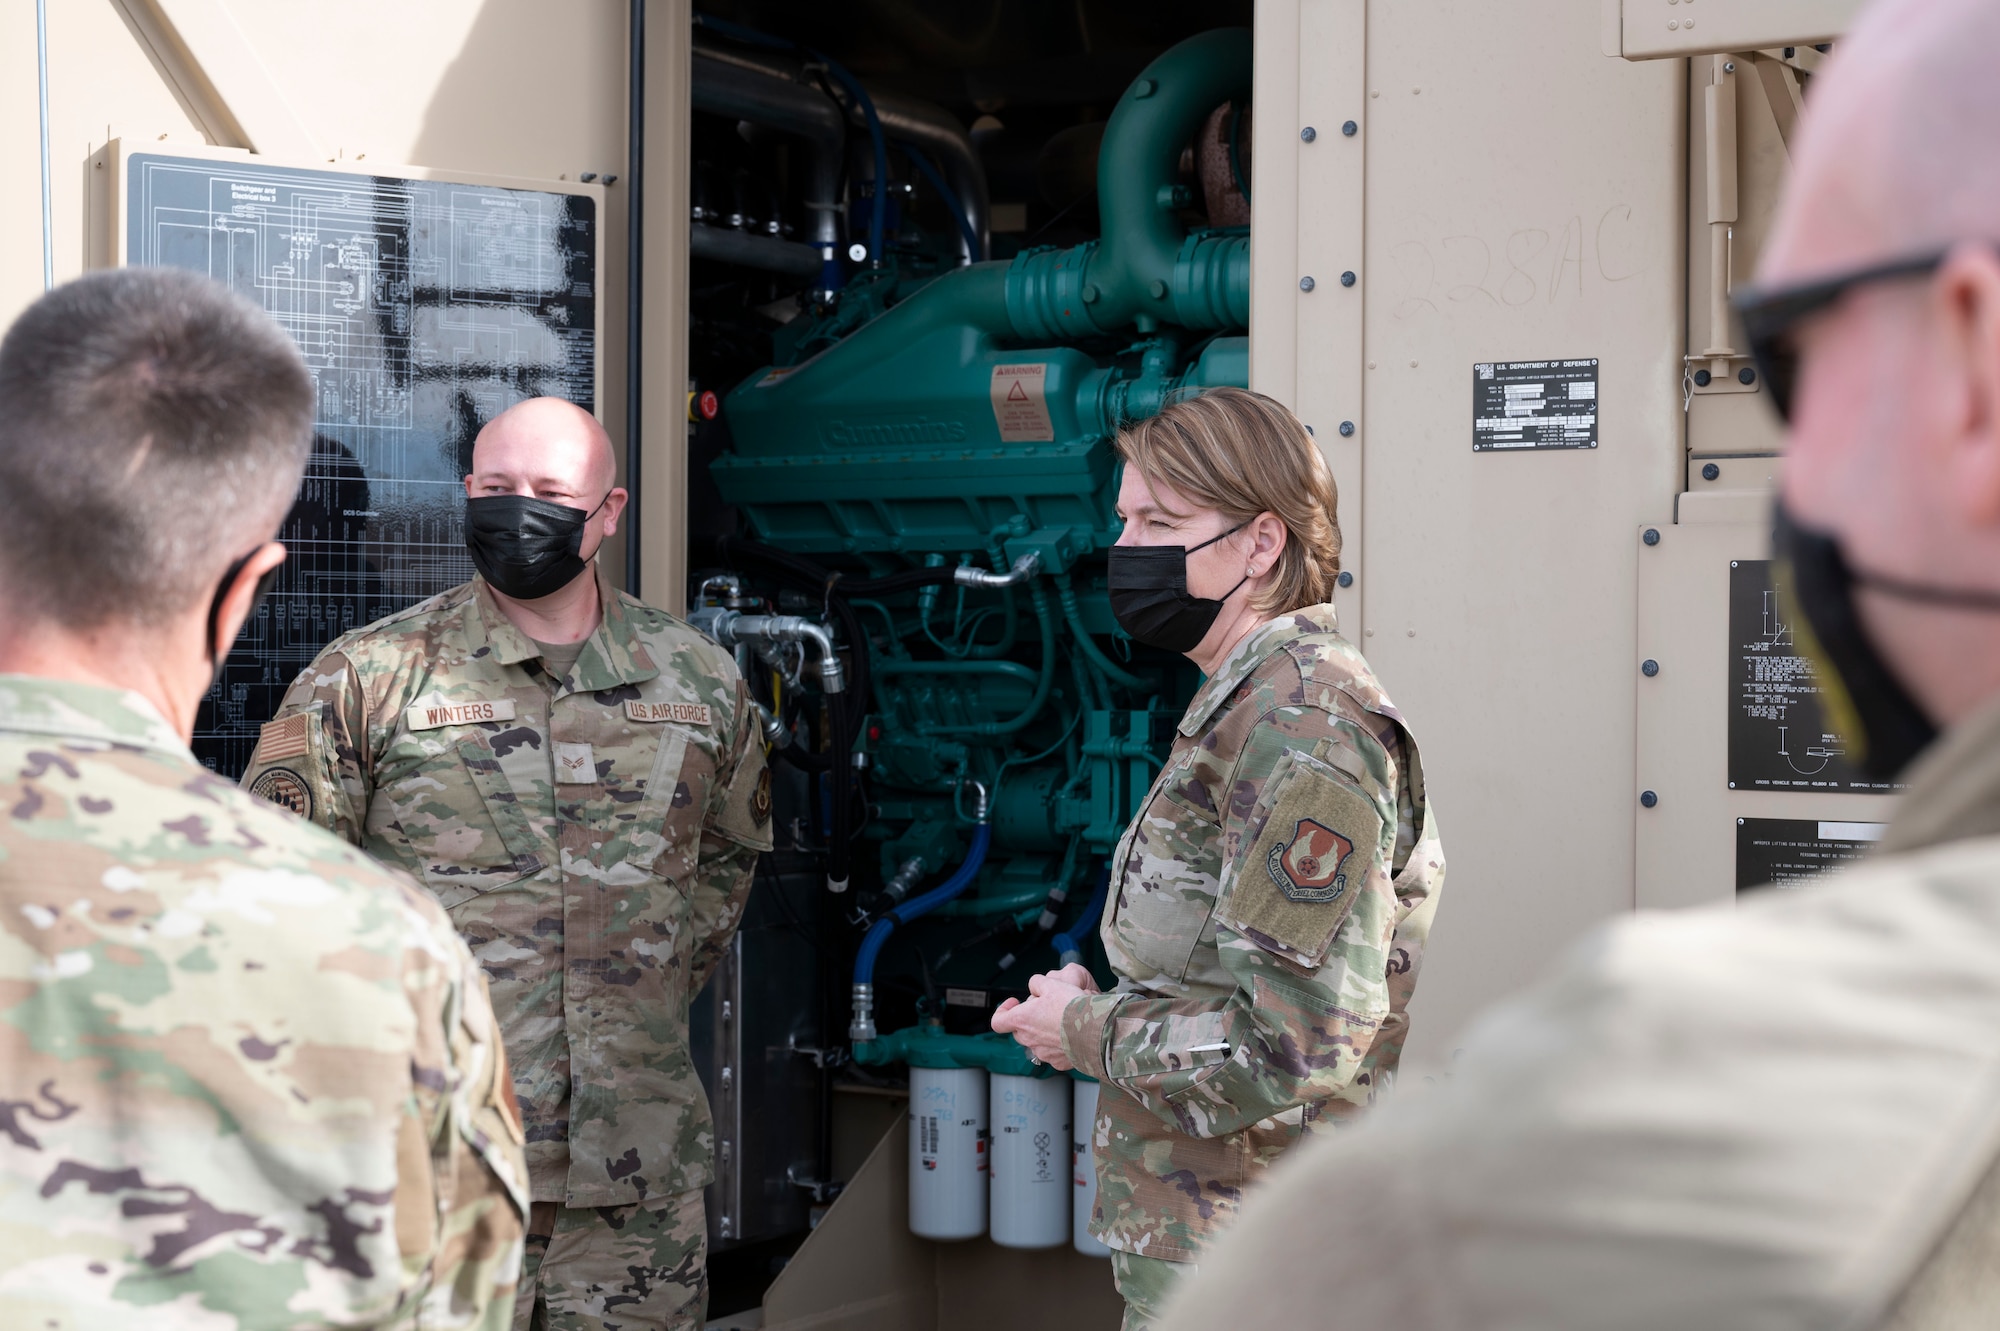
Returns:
(1268, 913)
(593, 838)
(247, 1077)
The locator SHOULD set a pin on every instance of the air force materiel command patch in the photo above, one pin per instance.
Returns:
(1318, 838)
(1308, 867)
(286, 789)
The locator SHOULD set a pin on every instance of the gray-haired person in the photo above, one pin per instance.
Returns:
(247, 1078)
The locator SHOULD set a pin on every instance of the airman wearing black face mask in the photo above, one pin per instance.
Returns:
(579, 779)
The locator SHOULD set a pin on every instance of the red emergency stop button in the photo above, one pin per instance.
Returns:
(704, 406)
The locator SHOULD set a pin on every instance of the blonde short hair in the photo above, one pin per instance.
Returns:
(1242, 454)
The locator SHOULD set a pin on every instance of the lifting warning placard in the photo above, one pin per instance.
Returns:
(1534, 404)
(1778, 737)
(1787, 852)
(1021, 404)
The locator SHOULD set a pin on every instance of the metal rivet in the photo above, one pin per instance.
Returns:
(1347, 279)
(1729, 66)
(1308, 134)
(1305, 284)
(1746, 375)
(1648, 798)
(1710, 472)
(1687, 23)
(1701, 378)
(1345, 579)
(1649, 667)
(1652, 536)
(1350, 129)
(1347, 429)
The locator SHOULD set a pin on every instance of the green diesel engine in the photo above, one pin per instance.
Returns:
(925, 479)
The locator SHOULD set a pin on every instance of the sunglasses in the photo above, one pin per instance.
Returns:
(1771, 314)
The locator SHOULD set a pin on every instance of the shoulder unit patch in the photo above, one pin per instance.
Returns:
(286, 789)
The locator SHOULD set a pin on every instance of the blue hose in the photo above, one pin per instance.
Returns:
(878, 933)
(876, 216)
(930, 173)
(1067, 949)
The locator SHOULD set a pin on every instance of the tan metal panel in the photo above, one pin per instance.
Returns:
(663, 406)
(1331, 59)
(1274, 200)
(1681, 27)
(1686, 842)
(228, 73)
(1525, 200)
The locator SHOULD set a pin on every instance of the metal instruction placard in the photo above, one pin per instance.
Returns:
(1534, 404)
(1789, 852)
(1779, 738)
(423, 308)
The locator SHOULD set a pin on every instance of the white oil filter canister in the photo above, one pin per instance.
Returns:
(1031, 1175)
(947, 1153)
(1083, 1158)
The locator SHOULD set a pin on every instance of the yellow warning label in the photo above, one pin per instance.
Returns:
(1021, 404)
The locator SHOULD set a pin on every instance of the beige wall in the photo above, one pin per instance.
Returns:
(1522, 198)
(533, 89)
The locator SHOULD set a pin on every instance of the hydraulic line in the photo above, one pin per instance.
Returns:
(863, 1025)
(1117, 675)
(1068, 949)
(1045, 681)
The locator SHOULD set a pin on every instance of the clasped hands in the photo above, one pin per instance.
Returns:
(1037, 1023)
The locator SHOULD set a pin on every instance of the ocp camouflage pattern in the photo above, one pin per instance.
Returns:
(248, 1078)
(1269, 909)
(592, 837)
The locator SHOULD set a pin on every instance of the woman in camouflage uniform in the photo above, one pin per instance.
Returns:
(1272, 897)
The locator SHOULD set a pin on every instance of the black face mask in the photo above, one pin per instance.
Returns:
(1149, 595)
(1862, 697)
(526, 547)
(269, 579)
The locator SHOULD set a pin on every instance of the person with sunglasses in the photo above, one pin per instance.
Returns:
(579, 779)
(1784, 1113)
(248, 1078)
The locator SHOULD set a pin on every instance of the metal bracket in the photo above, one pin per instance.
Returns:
(821, 1191)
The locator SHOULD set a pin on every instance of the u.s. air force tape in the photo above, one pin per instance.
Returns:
(285, 788)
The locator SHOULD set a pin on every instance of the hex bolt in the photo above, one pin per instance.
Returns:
(1345, 579)
(1652, 536)
(1701, 378)
(1347, 429)
(1649, 667)
(1308, 134)
(1089, 293)
(1350, 129)
(1347, 279)
(1710, 472)
(1746, 375)
(1648, 798)
(1305, 284)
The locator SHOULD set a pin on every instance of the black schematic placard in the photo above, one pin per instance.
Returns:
(1789, 852)
(1779, 739)
(1534, 404)
(423, 309)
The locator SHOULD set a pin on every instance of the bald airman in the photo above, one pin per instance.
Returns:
(579, 779)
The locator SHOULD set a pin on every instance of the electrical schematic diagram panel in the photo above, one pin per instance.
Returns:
(423, 309)
(1779, 736)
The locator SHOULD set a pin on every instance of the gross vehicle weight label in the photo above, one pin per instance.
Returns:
(1534, 404)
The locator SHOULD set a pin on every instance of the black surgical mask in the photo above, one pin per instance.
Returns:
(526, 547)
(1150, 599)
(1862, 697)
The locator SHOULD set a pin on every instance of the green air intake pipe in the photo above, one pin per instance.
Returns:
(1147, 270)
